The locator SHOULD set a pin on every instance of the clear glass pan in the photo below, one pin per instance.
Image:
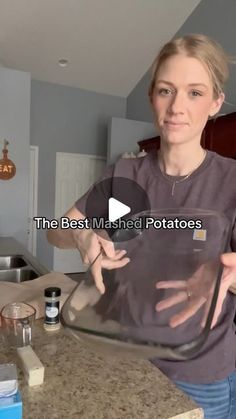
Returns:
(177, 268)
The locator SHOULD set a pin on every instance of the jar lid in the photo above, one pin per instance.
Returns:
(52, 292)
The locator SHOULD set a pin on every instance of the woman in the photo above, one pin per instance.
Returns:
(186, 89)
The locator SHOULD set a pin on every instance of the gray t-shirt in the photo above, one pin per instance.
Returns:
(211, 187)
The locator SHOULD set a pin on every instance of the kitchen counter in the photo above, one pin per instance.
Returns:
(83, 381)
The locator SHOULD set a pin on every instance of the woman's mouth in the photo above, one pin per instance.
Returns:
(174, 125)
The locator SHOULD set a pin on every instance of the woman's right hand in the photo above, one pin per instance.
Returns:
(92, 246)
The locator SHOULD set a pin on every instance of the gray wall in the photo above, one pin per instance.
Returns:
(15, 127)
(215, 18)
(66, 119)
(123, 135)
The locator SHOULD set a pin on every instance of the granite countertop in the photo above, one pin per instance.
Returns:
(83, 381)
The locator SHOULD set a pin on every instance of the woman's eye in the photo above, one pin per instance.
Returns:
(164, 92)
(195, 93)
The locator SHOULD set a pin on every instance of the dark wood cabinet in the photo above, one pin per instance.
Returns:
(219, 135)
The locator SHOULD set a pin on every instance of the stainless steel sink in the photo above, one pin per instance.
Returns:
(12, 262)
(18, 275)
(18, 268)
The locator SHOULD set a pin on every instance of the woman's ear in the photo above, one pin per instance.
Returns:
(216, 104)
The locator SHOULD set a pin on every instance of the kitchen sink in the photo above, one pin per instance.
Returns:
(12, 262)
(18, 275)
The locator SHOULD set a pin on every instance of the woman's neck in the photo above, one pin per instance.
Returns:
(180, 160)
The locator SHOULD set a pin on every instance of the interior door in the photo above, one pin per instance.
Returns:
(75, 173)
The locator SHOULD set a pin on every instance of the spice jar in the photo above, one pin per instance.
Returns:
(52, 308)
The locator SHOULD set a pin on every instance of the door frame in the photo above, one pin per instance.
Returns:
(33, 199)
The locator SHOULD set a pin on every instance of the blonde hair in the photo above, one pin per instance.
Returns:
(206, 50)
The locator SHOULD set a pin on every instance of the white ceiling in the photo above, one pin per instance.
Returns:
(110, 44)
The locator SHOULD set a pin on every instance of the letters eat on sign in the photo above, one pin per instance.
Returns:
(7, 167)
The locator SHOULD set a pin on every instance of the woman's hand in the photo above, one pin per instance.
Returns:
(228, 279)
(199, 290)
(92, 246)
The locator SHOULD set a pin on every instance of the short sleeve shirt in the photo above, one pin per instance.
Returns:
(212, 186)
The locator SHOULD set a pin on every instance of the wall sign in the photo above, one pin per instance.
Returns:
(7, 167)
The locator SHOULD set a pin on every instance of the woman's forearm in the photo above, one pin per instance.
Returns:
(65, 238)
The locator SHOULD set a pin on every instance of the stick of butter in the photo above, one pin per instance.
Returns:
(32, 366)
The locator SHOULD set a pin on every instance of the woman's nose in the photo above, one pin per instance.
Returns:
(176, 104)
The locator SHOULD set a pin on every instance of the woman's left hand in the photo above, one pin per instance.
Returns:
(198, 290)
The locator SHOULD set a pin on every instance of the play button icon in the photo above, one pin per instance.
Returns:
(111, 203)
(117, 209)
